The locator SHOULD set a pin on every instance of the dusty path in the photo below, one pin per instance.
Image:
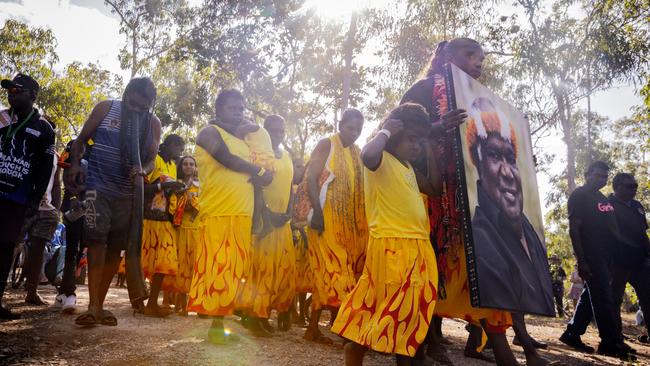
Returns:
(45, 337)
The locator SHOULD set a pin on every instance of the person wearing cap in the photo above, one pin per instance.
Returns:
(40, 227)
(26, 166)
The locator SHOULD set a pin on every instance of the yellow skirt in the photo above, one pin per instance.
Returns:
(390, 308)
(333, 273)
(188, 240)
(272, 283)
(222, 262)
(457, 303)
(304, 275)
(159, 255)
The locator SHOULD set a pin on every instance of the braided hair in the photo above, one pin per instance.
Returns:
(444, 51)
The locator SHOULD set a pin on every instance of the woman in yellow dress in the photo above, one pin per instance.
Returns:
(184, 207)
(223, 255)
(390, 308)
(159, 256)
(445, 215)
(273, 281)
(338, 232)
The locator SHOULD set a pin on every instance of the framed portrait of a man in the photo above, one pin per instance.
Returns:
(502, 218)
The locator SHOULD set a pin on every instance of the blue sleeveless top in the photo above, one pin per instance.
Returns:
(107, 172)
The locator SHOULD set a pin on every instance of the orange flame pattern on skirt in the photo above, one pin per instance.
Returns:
(222, 263)
(272, 284)
(159, 254)
(304, 274)
(188, 240)
(390, 308)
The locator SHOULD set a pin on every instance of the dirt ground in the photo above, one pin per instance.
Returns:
(45, 337)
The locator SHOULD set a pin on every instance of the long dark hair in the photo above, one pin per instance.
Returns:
(145, 87)
(179, 167)
(444, 50)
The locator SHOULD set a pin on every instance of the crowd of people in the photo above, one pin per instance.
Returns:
(242, 227)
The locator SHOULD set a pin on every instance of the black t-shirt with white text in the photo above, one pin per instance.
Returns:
(599, 231)
(25, 158)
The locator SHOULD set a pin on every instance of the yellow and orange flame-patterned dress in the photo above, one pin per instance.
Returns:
(392, 304)
(336, 255)
(184, 208)
(273, 281)
(159, 254)
(223, 256)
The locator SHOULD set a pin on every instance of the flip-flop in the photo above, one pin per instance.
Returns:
(86, 319)
(108, 319)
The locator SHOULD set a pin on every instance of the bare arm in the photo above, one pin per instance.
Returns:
(56, 189)
(73, 176)
(371, 153)
(210, 140)
(434, 178)
(314, 171)
(425, 185)
(152, 151)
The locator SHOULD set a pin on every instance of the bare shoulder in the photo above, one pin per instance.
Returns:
(323, 146)
(207, 137)
(208, 130)
(103, 107)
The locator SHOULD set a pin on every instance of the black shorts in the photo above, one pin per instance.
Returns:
(12, 217)
(107, 219)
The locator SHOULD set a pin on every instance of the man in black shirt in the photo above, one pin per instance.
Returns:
(594, 235)
(631, 261)
(26, 156)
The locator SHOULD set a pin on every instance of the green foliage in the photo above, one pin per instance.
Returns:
(148, 28)
(27, 50)
(70, 96)
(66, 98)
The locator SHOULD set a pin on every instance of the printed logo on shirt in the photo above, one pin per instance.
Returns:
(33, 132)
(605, 207)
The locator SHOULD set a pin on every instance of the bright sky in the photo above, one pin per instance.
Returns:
(86, 31)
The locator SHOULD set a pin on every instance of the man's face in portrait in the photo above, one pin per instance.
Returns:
(499, 175)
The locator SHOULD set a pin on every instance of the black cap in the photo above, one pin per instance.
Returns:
(21, 81)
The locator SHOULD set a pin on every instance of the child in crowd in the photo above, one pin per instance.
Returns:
(390, 308)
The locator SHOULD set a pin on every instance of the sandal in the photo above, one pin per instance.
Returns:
(87, 319)
(108, 319)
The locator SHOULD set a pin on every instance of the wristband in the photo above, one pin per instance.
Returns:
(385, 132)
(261, 172)
(159, 187)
